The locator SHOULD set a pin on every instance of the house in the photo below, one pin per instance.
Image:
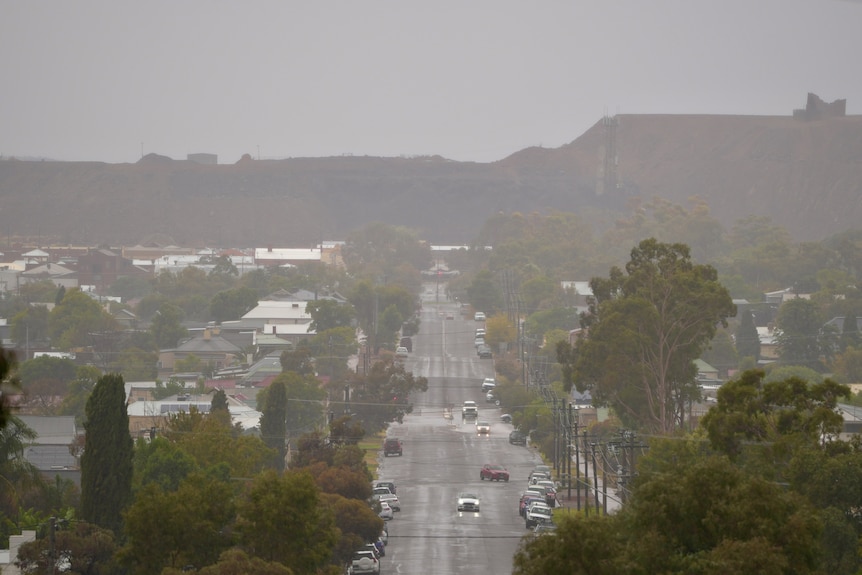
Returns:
(768, 344)
(59, 275)
(9, 556)
(209, 347)
(101, 268)
(579, 291)
(286, 257)
(53, 451)
(146, 416)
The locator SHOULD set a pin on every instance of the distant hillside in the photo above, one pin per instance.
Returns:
(806, 175)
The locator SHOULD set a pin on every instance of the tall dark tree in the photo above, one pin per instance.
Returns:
(747, 340)
(219, 401)
(7, 362)
(273, 426)
(106, 464)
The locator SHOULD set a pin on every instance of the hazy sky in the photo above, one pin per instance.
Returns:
(470, 80)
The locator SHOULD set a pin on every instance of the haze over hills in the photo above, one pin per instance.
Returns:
(804, 174)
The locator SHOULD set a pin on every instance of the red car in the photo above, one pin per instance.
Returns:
(494, 473)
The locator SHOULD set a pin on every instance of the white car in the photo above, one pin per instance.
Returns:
(483, 427)
(386, 512)
(401, 351)
(390, 499)
(468, 501)
(480, 316)
(364, 561)
(537, 513)
(488, 384)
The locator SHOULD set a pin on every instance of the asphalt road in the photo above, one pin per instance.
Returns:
(443, 457)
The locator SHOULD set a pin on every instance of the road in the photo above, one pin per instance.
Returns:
(442, 457)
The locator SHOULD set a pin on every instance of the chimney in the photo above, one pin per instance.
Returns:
(207, 334)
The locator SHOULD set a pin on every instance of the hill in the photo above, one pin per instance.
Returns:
(805, 175)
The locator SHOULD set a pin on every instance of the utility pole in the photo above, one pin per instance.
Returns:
(556, 422)
(595, 477)
(586, 477)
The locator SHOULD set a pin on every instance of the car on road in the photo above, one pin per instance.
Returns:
(478, 342)
(490, 397)
(378, 492)
(484, 352)
(392, 500)
(488, 384)
(450, 315)
(536, 513)
(480, 316)
(364, 561)
(494, 472)
(506, 418)
(469, 410)
(401, 351)
(386, 512)
(527, 499)
(392, 446)
(483, 427)
(390, 485)
(407, 342)
(518, 437)
(468, 501)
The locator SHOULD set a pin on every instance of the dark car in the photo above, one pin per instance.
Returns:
(392, 446)
(484, 352)
(518, 438)
(388, 484)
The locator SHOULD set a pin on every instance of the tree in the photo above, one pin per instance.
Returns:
(747, 339)
(106, 464)
(850, 332)
(166, 326)
(645, 328)
(328, 314)
(136, 364)
(72, 323)
(382, 396)
(78, 392)
(185, 527)
(83, 549)
(848, 365)
(30, 325)
(498, 329)
(298, 361)
(799, 334)
(162, 462)
(277, 505)
(483, 293)
(773, 415)
(237, 562)
(44, 378)
(232, 304)
(219, 401)
(273, 426)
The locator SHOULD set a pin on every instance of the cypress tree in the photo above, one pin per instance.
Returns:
(106, 464)
(273, 426)
(747, 340)
(219, 401)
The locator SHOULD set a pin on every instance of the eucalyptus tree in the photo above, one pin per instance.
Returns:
(646, 326)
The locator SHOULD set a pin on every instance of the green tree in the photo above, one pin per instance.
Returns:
(328, 314)
(498, 329)
(237, 562)
(78, 392)
(72, 323)
(273, 422)
(382, 396)
(232, 304)
(298, 360)
(484, 294)
(83, 549)
(166, 326)
(162, 462)
(280, 504)
(848, 365)
(646, 327)
(747, 339)
(30, 325)
(136, 364)
(44, 378)
(773, 416)
(106, 464)
(189, 526)
(219, 401)
(800, 335)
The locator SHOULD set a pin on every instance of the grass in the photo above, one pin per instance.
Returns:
(371, 447)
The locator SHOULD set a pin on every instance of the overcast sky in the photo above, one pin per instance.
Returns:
(470, 80)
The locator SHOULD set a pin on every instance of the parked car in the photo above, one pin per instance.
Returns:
(528, 498)
(506, 418)
(386, 512)
(390, 485)
(407, 342)
(364, 561)
(483, 427)
(392, 500)
(544, 527)
(490, 397)
(484, 352)
(378, 492)
(518, 438)
(480, 316)
(536, 513)
(488, 384)
(468, 501)
(401, 351)
(478, 342)
(493, 472)
(392, 446)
